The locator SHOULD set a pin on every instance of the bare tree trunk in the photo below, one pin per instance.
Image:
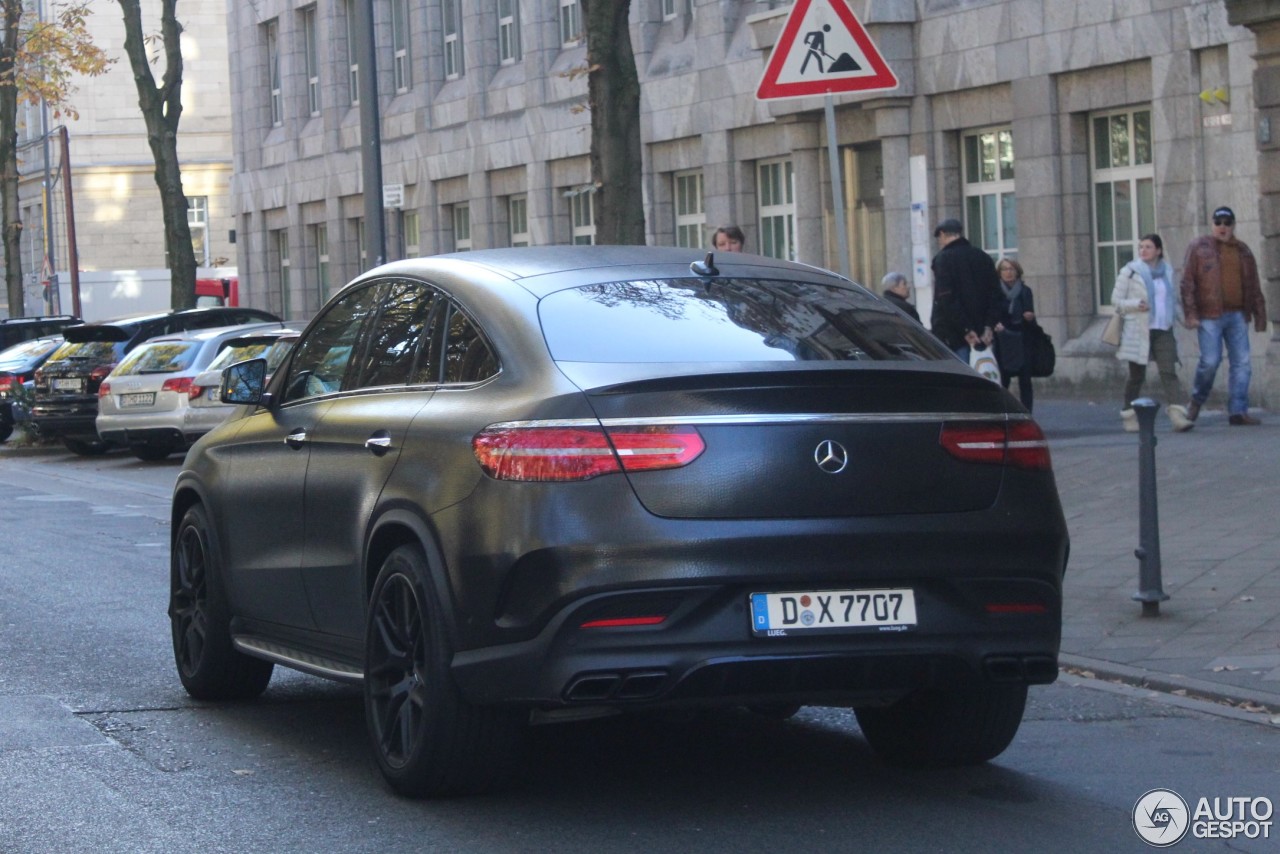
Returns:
(12, 218)
(613, 91)
(161, 110)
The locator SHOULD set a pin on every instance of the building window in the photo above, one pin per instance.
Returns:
(361, 254)
(777, 210)
(353, 67)
(508, 31)
(412, 235)
(461, 228)
(691, 216)
(990, 204)
(282, 261)
(198, 223)
(1123, 180)
(582, 215)
(272, 37)
(668, 9)
(570, 23)
(312, 60)
(518, 220)
(452, 39)
(400, 45)
(320, 237)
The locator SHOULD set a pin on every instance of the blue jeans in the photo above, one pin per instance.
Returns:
(1232, 328)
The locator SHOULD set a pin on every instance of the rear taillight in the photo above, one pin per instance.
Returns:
(104, 390)
(6, 381)
(1017, 443)
(181, 385)
(99, 373)
(581, 453)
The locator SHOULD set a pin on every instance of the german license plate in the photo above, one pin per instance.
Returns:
(67, 385)
(882, 609)
(138, 399)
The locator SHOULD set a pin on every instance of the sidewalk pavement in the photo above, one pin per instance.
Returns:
(1218, 497)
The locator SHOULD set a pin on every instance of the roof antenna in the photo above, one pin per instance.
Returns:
(705, 267)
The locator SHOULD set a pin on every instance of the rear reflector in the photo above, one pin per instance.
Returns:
(1016, 608)
(581, 453)
(622, 622)
(1016, 443)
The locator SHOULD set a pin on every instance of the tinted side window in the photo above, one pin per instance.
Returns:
(395, 336)
(467, 357)
(324, 353)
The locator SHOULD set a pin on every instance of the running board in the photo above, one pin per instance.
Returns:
(307, 662)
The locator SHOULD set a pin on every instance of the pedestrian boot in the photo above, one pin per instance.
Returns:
(1193, 409)
(1130, 419)
(1179, 418)
(1243, 419)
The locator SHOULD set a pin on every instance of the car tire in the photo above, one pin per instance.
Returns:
(210, 667)
(427, 739)
(151, 453)
(775, 711)
(85, 448)
(939, 728)
(6, 430)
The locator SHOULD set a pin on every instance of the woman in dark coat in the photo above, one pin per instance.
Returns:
(1017, 313)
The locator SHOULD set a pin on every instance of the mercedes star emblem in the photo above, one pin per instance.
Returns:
(831, 456)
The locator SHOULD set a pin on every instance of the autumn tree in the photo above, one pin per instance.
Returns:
(161, 111)
(613, 96)
(38, 61)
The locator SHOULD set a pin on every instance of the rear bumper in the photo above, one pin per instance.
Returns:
(705, 654)
(70, 422)
(160, 428)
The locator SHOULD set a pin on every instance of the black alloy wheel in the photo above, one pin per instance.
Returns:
(208, 665)
(427, 739)
(937, 728)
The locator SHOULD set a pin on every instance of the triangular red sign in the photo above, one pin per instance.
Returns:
(834, 55)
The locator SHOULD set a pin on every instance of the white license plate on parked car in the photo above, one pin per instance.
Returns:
(138, 399)
(781, 614)
(67, 385)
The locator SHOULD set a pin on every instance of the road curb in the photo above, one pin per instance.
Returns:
(1170, 683)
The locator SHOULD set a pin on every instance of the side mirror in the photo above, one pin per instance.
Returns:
(244, 382)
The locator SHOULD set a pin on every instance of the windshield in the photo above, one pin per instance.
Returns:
(94, 352)
(239, 353)
(159, 357)
(729, 320)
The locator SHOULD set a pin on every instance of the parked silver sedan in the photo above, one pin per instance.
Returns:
(205, 410)
(143, 402)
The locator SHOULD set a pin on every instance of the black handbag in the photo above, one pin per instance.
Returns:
(1010, 352)
(1039, 347)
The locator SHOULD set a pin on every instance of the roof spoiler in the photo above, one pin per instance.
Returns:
(95, 332)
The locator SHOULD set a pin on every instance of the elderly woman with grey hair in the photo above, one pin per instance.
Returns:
(897, 290)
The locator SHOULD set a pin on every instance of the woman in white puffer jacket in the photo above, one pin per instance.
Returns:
(1146, 298)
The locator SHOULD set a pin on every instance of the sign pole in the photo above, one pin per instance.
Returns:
(837, 188)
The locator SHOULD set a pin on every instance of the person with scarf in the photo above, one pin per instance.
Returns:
(1147, 301)
(1017, 312)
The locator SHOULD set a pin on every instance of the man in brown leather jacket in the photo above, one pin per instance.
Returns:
(1221, 294)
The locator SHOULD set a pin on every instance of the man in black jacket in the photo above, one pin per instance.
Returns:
(966, 291)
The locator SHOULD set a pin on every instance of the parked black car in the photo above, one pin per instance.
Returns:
(17, 329)
(66, 387)
(18, 364)
(574, 480)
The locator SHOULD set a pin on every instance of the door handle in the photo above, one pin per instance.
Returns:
(379, 443)
(296, 439)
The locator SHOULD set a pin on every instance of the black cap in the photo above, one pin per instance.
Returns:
(1225, 211)
(949, 226)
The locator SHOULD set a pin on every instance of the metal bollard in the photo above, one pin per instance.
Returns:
(1150, 592)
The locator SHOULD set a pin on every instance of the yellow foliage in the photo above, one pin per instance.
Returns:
(50, 53)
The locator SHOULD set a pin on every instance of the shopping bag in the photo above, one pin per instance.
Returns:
(1111, 335)
(1039, 349)
(984, 362)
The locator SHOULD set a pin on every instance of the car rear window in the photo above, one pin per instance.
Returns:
(27, 350)
(729, 320)
(94, 352)
(239, 353)
(159, 357)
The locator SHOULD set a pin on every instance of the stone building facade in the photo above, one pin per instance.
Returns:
(118, 223)
(1058, 132)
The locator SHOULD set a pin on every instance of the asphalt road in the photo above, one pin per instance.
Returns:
(102, 751)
